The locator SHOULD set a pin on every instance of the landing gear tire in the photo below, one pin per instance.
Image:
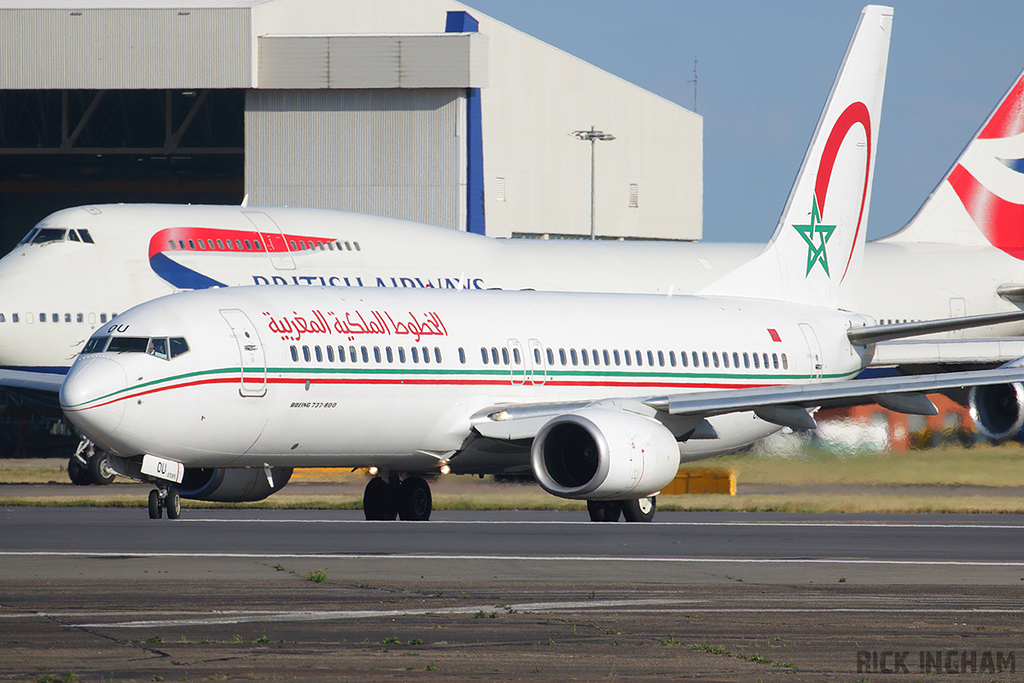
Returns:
(604, 510)
(639, 510)
(78, 473)
(378, 501)
(156, 507)
(414, 501)
(99, 470)
(172, 502)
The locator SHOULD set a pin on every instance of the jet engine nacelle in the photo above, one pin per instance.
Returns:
(998, 411)
(231, 484)
(600, 453)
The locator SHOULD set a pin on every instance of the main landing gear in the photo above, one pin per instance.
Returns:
(164, 498)
(632, 510)
(89, 466)
(386, 497)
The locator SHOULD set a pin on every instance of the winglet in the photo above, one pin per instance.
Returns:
(814, 256)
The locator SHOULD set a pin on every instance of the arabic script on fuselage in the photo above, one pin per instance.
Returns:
(352, 324)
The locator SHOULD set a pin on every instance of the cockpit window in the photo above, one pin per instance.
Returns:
(178, 346)
(96, 345)
(158, 347)
(128, 344)
(86, 237)
(44, 235)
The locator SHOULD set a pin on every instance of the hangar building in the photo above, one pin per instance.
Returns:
(419, 109)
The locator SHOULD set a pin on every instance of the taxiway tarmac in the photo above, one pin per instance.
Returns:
(318, 595)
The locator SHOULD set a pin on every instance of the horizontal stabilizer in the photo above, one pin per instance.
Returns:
(862, 336)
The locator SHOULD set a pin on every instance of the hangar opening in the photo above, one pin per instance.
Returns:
(62, 148)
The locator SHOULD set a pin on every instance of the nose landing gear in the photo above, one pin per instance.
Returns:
(164, 498)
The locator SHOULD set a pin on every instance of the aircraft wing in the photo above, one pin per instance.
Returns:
(25, 379)
(781, 404)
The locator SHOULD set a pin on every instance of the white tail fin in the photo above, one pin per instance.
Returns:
(981, 198)
(814, 256)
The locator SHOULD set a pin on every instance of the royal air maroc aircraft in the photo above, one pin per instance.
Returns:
(600, 395)
(951, 263)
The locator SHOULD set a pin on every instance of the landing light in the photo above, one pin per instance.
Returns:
(373, 471)
(499, 416)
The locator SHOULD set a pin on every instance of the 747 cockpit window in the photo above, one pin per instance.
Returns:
(44, 235)
(128, 344)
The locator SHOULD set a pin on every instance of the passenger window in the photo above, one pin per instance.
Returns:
(426, 355)
(376, 354)
(462, 355)
(192, 245)
(615, 355)
(536, 356)
(319, 354)
(757, 362)
(295, 354)
(650, 359)
(220, 244)
(785, 362)
(494, 355)
(158, 348)
(248, 245)
(103, 317)
(42, 317)
(551, 357)
(352, 354)
(574, 357)
(704, 356)
(628, 357)
(365, 354)
(389, 355)
(639, 358)
(67, 318)
(330, 354)
(79, 317)
(55, 317)
(2, 318)
(775, 361)
(401, 354)
(238, 245)
(504, 355)
(202, 245)
(661, 359)
(714, 358)
(672, 358)
(746, 360)
(765, 358)
(415, 354)
(561, 356)
(437, 354)
(725, 359)
(606, 358)
(683, 359)
(515, 356)
(305, 353)
(585, 356)
(14, 317)
(483, 354)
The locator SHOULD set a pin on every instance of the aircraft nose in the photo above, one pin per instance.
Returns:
(88, 395)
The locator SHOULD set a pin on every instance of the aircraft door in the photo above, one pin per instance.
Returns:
(273, 239)
(813, 352)
(517, 363)
(537, 371)
(253, 361)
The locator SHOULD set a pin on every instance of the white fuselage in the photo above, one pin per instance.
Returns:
(55, 294)
(348, 377)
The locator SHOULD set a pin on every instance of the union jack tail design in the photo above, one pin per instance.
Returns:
(981, 199)
(814, 256)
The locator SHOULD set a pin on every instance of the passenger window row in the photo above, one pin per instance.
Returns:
(56, 317)
(504, 355)
(218, 244)
(364, 354)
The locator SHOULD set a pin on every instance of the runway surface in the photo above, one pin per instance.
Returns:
(109, 594)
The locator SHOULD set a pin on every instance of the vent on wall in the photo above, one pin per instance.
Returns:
(499, 190)
(633, 195)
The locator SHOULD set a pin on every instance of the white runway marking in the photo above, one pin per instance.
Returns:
(838, 525)
(506, 558)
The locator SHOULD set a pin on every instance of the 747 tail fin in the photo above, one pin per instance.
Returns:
(814, 256)
(981, 198)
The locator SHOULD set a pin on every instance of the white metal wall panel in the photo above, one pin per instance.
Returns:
(124, 48)
(452, 60)
(386, 152)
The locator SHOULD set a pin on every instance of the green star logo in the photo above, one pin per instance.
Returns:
(816, 252)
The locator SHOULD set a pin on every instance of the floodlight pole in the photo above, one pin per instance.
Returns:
(592, 136)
